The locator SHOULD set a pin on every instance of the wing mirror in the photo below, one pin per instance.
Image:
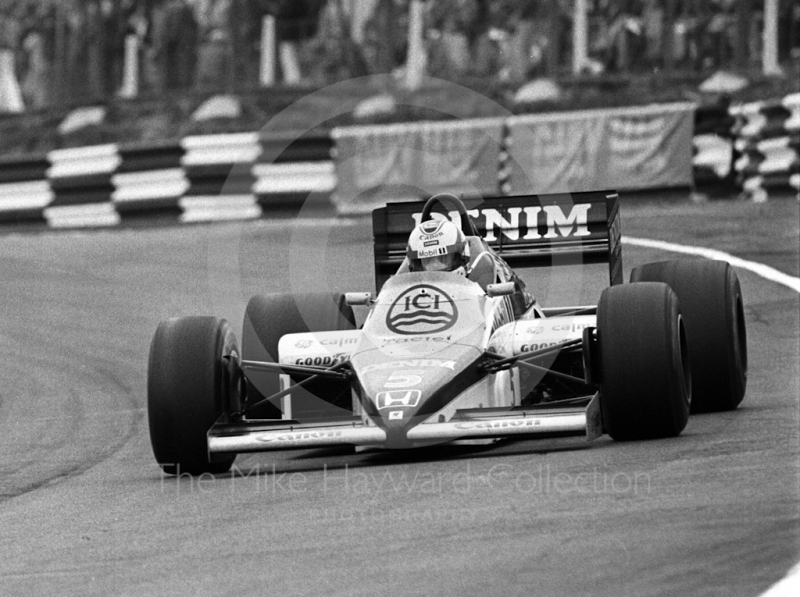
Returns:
(502, 289)
(358, 298)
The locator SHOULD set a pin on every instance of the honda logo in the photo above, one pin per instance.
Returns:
(398, 398)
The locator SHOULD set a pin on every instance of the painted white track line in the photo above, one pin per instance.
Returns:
(789, 586)
(760, 269)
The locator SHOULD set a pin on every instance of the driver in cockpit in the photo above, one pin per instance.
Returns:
(437, 246)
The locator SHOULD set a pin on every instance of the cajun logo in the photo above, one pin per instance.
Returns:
(422, 309)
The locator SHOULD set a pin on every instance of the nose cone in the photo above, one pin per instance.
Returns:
(400, 393)
(397, 412)
(418, 349)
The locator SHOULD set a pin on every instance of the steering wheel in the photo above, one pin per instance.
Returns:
(444, 199)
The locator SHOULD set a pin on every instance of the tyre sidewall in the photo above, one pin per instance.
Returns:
(189, 386)
(644, 390)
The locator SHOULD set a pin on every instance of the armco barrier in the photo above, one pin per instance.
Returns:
(81, 182)
(292, 171)
(200, 179)
(218, 168)
(768, 140)
(24, 189)
(713, 150)
(149, 181)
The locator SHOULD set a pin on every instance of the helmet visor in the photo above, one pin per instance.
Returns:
(439, 263)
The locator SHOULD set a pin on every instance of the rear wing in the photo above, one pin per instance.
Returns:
(525, 230)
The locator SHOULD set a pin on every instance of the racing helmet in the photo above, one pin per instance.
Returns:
(437, 246)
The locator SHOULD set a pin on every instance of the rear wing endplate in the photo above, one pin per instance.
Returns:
(525, 230)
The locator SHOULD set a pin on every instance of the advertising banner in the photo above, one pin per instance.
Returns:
(627, 148)
(384, 163)
(555, 153)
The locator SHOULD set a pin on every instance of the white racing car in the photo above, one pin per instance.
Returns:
(463, 356)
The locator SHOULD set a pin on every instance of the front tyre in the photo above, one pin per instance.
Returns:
(269, 318)
(645, 379)
(189, 385)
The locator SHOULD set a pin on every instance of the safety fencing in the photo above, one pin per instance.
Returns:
(751, 148)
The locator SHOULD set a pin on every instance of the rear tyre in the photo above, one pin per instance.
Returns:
(712, 307)
(189, 385)
(645, 385)
(268, 318)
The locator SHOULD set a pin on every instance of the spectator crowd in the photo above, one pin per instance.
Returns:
(79, 51)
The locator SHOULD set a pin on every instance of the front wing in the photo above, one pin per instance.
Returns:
(486, 423)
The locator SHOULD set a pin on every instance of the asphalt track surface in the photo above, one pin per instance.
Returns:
(84, 510)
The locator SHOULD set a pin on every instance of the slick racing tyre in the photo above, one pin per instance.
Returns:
(712, 308)
(645, 380)
(267, 319)
(189, 385)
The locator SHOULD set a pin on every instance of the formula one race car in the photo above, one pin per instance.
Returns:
(456, 357)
